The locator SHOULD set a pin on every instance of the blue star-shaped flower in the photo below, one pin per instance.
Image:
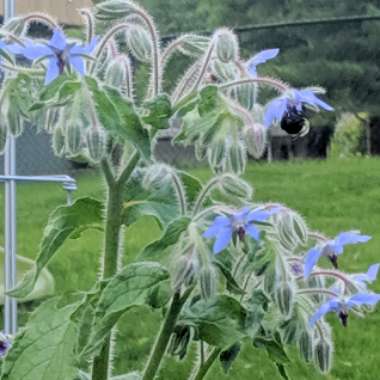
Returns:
(292, 103)
(341, 306)
(332, 249)
(362, 279)
(242, 222)
(260, 58)
(59, 53)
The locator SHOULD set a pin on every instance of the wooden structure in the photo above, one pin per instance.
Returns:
(66, 11)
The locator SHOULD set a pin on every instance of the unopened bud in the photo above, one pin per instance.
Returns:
(255, 137)
(207, 280)
(246, 95)
(236, 157)
(139, 42)
(225, 71)
(290, 330)
(269, 280)
(117, 73)
(58, 141)
(232, 185)
(15, 26)
(96, 144)
(180, 341)
(216, 154)
(227, 45)
(323, 355)
(186, 270)
(285, 298)
(73, 139)
(193, 45)
(306, 345)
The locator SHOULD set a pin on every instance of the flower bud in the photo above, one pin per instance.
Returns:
(185, 271)
(156, 176)
(15, 26)
(246, 95)
(290, 330)
(236, 157)
(180, 340)
(58, 141)
(306, 345)
(139, 42)
(225, 72)
(232, 185)
(269, 280)
(226, 45)
(117, 73)
(3, 136)
(200, 151)
(216, 154)
(193, 45)
(255, 137)
(73, 139)
(96, 144)
(323, 355)
(284, 297)
(207, 280)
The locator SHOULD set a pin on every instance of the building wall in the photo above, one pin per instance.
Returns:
(64, 10)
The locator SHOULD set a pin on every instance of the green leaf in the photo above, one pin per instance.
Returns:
(171, 235)
(159, 111)
(128, 376)
(219, 320)
(133, 286)
(193, 186)
(282, 371)
(231, 283)
(117, 114)
(45, 350)
(64, 222)
(257, 306)
(274, 348)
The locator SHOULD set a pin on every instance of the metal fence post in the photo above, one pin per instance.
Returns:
(10, 305)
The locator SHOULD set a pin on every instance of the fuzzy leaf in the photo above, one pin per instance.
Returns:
(274, 348)
(45, 350)
(159, 111)
(64, 222)
(231, 283)
(219, 320)
(133, 286)
(171, 235)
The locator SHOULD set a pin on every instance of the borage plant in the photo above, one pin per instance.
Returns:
(226, 271)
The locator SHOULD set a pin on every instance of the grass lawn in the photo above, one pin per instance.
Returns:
(332, 195)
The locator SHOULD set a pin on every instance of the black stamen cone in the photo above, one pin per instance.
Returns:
(334, 261)
(293, 121)
(343, 316)
(241, 233)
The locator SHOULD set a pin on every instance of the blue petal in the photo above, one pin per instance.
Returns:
(241, 215)
(351, 237)
(260, 58)
(52, 71)
(84, 49)
(275, 111)
(363, 299)
(311, 259)
(219, 223)
(34, 51)
(253, 231)
(308, 96)
(332, 305)
(260, 215)
(372, 272)
(222, 240)
(78, 64)
(58, 39)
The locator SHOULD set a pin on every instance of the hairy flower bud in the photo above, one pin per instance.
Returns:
(73, 139)
(306, 345)
(186, 269)
(58, 141)
(207, 281)
(96, 144)
(193, 45)
(255, 137)
(232, 185)
(323, 355)
(225, 72)
(284, 297)
(180, 340)
(236, 157)
(226, 45)
(15, 26)
(139, 43)
(290, 330)
(117, 73)
(216, 154)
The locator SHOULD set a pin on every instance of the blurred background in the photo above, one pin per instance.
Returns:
(333, 44)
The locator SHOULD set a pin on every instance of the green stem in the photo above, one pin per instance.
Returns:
(113, 223)
(163, 337)
(203, 369)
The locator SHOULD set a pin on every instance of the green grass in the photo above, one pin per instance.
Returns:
(331, 195)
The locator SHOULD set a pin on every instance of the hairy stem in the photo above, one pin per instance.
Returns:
(203, 195)
(203, 369)
(274, 83)
(113, 225)
(163, 337)
(181, 194)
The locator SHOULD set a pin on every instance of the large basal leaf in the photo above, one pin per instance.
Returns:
(117, 114)
(45, 350)
(65, 222)
(219, 320)
(171, 235)
(144, 283)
